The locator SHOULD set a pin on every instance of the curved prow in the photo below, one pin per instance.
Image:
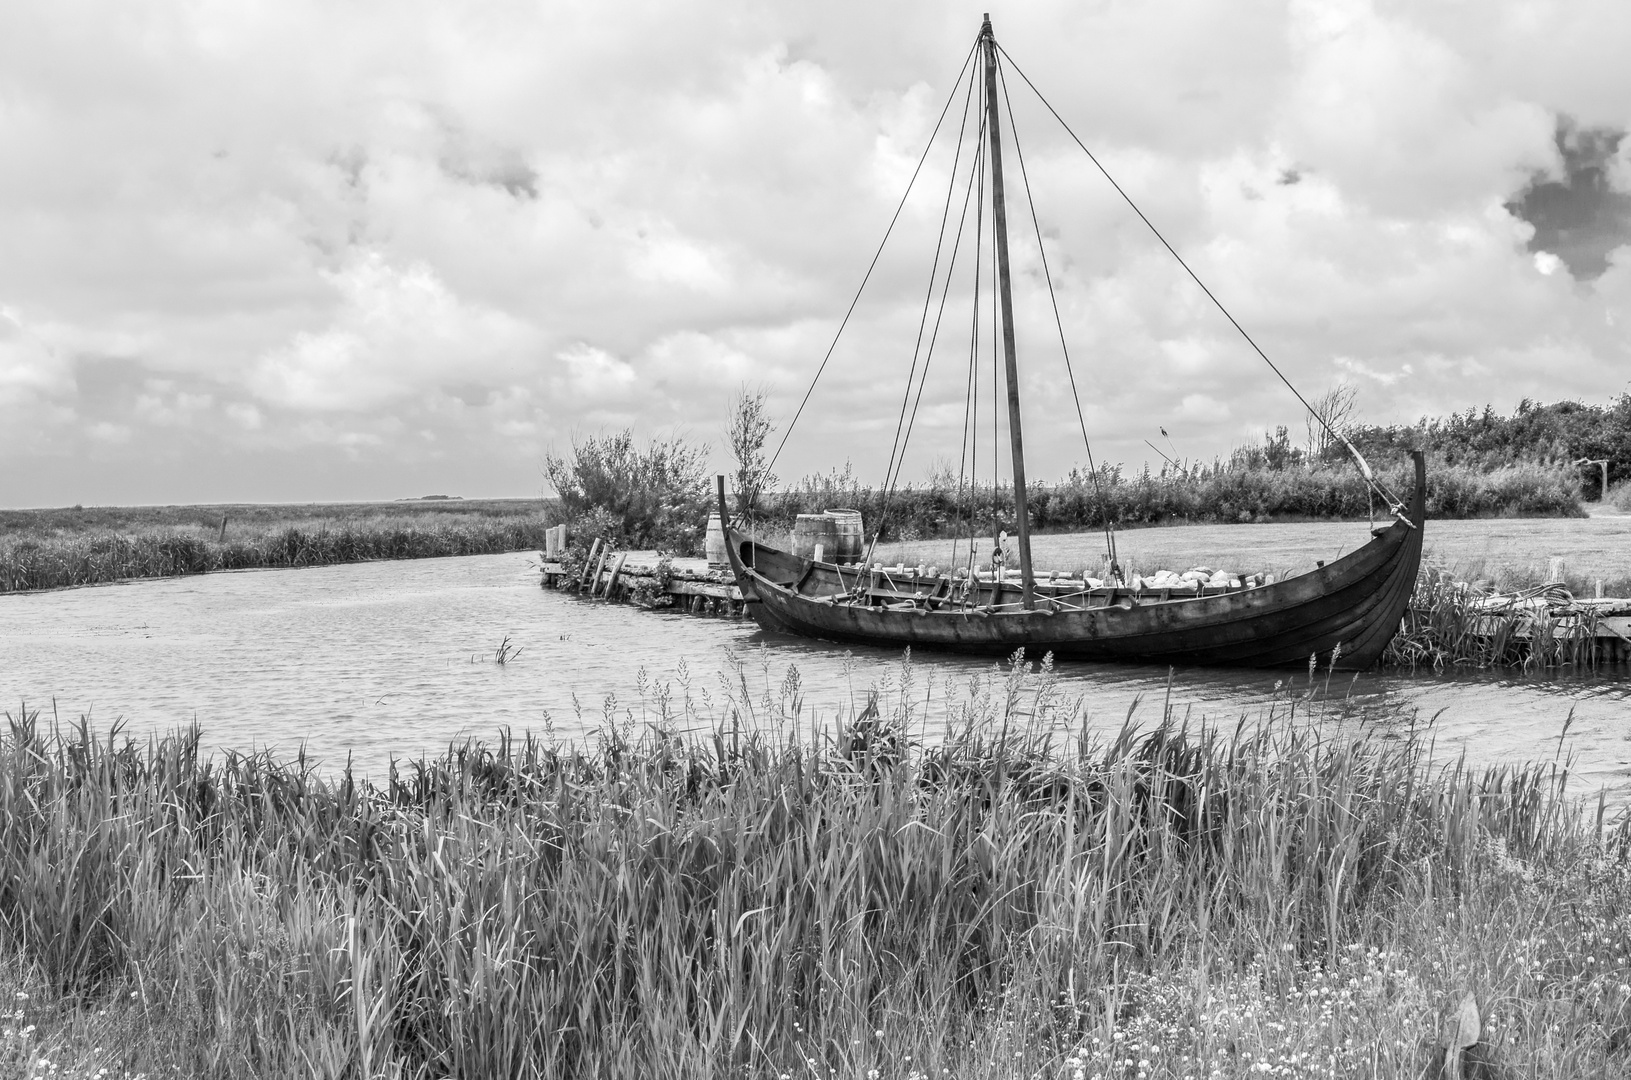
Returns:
(733, 540)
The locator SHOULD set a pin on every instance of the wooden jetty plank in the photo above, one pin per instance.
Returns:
(710, 590)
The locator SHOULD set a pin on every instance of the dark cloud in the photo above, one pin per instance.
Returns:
(1580, 218)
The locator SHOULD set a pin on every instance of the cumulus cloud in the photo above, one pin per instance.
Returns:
(396, 333)
(308, 251)
(29, 367)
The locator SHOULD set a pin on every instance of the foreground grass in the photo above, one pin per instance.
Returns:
(44, 549)
(1293, 897)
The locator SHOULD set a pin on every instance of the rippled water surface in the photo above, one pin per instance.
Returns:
(395, 659)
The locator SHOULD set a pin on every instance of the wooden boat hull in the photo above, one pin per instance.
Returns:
(1350, 607)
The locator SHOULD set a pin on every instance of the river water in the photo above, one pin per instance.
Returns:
(396, 659)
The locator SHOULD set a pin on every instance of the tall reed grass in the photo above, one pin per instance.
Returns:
(45, 562)
(1284, 897)
(1455, 623)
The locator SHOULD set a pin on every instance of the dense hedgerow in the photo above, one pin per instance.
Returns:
(1562, 431)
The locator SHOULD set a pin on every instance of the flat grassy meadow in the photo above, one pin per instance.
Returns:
(1302, 893)
(68, 521)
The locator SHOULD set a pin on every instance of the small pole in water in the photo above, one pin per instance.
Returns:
(223, 529)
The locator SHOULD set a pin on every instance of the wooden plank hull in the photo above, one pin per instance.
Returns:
(1350, 607)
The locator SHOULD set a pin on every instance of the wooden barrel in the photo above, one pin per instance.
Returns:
(713, 544)
(813, 529)
(851, 544)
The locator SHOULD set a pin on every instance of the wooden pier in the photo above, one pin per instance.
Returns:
(1605, 621)
(650, 579)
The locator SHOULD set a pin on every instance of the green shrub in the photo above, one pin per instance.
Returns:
(655, 498)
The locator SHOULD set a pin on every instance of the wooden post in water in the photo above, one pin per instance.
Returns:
(594, 582)
(223, 538)
(999, 221)
(616, 570)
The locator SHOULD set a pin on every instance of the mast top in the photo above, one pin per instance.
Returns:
(985, 28)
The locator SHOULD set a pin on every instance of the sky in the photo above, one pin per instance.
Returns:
(314, 251)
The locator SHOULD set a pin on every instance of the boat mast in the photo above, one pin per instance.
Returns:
(999, 217)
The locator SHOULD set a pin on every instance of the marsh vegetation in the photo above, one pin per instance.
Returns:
(45, 549)
(815, 895)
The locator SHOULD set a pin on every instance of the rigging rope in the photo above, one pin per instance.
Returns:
(1047, 276)
(1364, 466)
(892, 472)
(996, 395)
(753, 490)
(928, 358)
(971, 399)
(976, 167)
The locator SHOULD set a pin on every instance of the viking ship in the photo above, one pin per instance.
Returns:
(1343, 613)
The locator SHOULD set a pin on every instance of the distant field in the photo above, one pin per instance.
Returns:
(46, 549)
(1505, 550)
(255, 517)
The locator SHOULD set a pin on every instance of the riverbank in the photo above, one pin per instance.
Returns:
(824, 904)
(46, 549)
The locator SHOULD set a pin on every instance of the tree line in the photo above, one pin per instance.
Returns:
(1485, 464)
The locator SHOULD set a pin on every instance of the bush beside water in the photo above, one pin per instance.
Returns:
(1292, 898)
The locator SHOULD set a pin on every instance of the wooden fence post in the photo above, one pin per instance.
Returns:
(617, 569)
(594, 582)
